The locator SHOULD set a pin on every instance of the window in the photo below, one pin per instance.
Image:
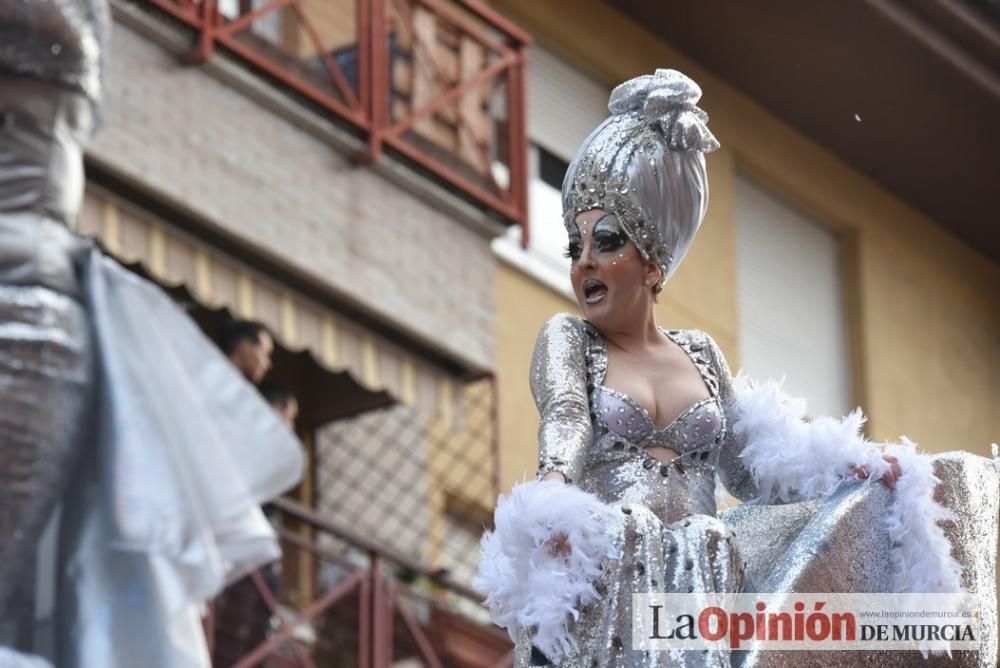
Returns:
(564, 106)
(548, 235)
(791, 313)
(267, 26)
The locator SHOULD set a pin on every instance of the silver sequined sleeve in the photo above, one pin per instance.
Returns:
(559, 387)
(733, 473)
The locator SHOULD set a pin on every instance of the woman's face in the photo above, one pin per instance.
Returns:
(611, 281)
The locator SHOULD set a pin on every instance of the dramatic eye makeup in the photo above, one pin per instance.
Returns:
(574, 248)
(608, 235)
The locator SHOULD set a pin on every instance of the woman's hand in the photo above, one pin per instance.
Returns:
(559, 544)
(889, 478)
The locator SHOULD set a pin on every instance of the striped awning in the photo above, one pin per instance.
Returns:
(173, 258)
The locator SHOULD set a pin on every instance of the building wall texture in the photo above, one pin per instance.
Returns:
(207, 145)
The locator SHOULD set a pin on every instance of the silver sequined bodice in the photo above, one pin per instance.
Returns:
(598, 437)
(619, 468)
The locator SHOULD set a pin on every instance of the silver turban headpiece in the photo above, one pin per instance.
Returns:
(646, 165)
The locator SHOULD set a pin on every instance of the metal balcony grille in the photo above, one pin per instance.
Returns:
(438, 82)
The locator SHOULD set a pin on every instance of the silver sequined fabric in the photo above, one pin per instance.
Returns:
(56, 41)
(840, 545)
(670, 538)
(45, 376)
(41, 183)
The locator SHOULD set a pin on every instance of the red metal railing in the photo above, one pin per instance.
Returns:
(363, 616)
(440, 82)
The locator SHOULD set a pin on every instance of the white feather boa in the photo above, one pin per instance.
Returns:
(793, 458)
(528, 587)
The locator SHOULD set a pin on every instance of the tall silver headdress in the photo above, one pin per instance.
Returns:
(646, 165)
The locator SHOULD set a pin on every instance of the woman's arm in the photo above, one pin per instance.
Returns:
(736, 477)
(774, 453)
(539, 566)
(559, 386)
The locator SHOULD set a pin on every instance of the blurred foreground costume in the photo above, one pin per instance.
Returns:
(116, 414)
(635, 524)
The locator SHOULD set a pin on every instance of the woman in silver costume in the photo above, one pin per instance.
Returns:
(630, 412)
(646, 419)
(160, 510)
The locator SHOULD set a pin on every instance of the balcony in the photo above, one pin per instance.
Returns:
(438, 83)
(341, 600)
(379, 546)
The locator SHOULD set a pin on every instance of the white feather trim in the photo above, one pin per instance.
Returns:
(528, 587)
(922, 554)
(790, 457)
(793, 458)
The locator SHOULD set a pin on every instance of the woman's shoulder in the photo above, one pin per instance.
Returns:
(700, 345)
(563, 319)
(695, 338)
(567, 331)
(698, 341)
(565, 323)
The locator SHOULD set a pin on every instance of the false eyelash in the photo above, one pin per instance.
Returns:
(568, 252)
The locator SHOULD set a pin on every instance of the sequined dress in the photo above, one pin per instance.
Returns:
(664, 515)
(667, 531)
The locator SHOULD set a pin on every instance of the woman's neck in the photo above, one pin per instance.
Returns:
(634, 336)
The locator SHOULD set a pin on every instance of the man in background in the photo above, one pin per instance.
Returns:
(249, 346)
